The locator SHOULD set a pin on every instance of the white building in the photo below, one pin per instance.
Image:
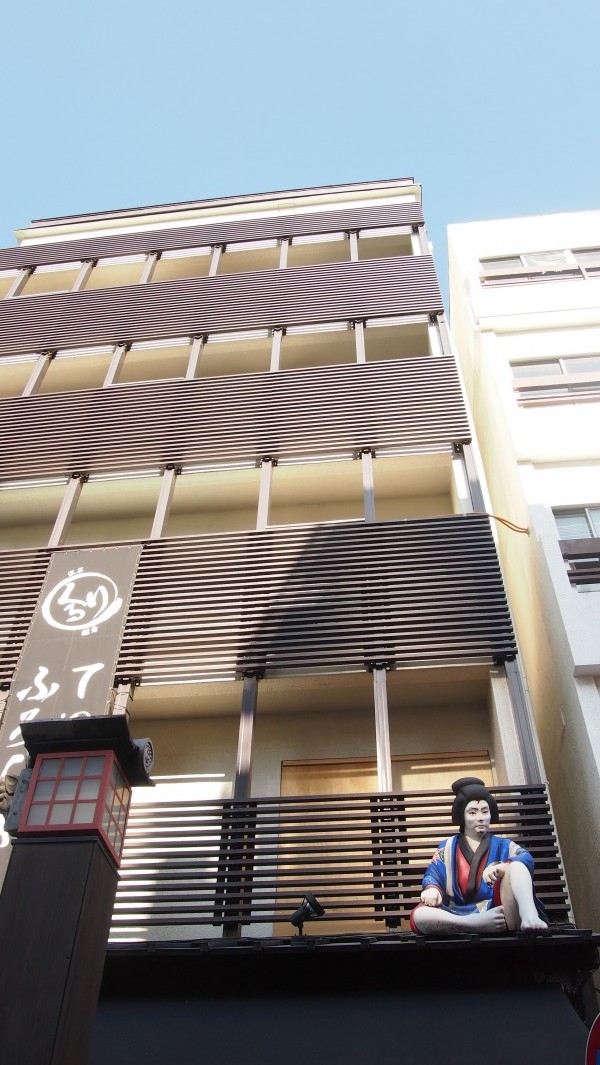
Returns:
(525, 303)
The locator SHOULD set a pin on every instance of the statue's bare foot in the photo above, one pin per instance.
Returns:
(488, 920)
(532, 922)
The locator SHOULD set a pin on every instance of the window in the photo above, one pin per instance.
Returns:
(574, 377)
(578, 523)
(560, 263)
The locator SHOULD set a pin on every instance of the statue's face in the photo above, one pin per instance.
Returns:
(477, 817)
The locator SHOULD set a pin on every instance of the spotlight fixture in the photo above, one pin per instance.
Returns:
(309, 908)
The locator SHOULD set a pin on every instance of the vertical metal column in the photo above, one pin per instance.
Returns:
(243, 767)
(382, 729)
(359, 337)
(284, 244)
(118, 358)
(435, 344)
(366, 458)
(444, 335)
(67, 509)
(198, 343)
(165, 496)
(87, 265)
(238, 833)
(472, 478)
(264, 492)
(149, 267)
(275, 350)
(353, 246)
(38, 373)
(123, 698)
(523, 723)
(215, 259)
(19, 283)
(422, 240)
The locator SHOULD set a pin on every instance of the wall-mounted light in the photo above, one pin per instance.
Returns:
(307, 911)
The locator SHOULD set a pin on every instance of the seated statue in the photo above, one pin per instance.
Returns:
(477, 882)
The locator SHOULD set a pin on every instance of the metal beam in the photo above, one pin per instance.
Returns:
(19, 283)
(149, 267)
(444, 335)
(382, 729)
(435, 343)
(359, 338)
(366, 458)
(38, 373)
(123, 699)
(276, 350)
(163, 505)
(473, 479)
(422, 240)
(67, 508)
(284, 245)
(116, 363)
(523, 723)
(243, 767)
(264, 491)
(198, 343)
(82, 277)
(214, 260)
(353, 246)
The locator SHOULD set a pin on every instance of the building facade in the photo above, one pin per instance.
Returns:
(253, 404)
(525, 298)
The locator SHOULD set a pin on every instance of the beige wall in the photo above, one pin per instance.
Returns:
(534, 459)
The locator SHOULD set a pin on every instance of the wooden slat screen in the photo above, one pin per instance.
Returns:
(202, 234)
(323, 596)
(206, 863)
(404, 404)
(257, 299)
(21, 577)
(329, 596)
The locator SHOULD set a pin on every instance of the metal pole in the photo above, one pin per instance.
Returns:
(366, 457)
(67, 509)
(243, 770)
(382, 730)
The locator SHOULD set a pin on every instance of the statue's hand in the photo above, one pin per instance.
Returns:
(494, 872)
(431, 897)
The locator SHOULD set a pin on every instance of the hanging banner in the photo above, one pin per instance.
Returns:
(67, 665)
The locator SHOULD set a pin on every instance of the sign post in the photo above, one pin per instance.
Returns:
(69, 815)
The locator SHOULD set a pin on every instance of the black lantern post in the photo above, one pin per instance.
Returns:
(68, 816)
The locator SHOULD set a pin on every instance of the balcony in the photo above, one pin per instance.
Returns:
(193, 868)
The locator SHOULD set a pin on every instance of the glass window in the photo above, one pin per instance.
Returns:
(536, 369)
(582, 364)
(578, 523)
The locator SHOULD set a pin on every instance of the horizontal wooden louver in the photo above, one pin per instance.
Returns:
(198, 235)
(336, 596)
(21, 577)
(188, 865)
(404, 404)
(323, 596)
(258, 299)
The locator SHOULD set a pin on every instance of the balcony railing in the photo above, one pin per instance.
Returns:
(193, 869)
(583, 560)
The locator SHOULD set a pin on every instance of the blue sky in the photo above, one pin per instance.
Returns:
(492, 107)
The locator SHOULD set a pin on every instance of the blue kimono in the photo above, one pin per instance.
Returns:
(441, 873)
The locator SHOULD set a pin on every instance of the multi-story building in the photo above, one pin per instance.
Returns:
(525, 298)
(252, 404)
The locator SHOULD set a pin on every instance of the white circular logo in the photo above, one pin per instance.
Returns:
(81, 602)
